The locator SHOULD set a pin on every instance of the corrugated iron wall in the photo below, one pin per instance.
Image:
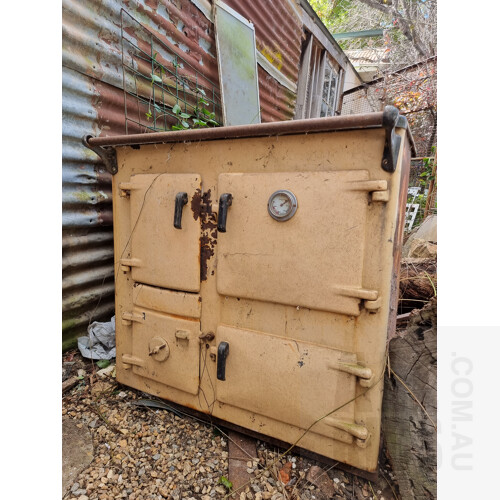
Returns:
(92, 101)
(86, 195)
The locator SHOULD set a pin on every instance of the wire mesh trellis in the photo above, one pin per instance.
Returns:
(161, 89)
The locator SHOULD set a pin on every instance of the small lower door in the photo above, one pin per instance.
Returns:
(166, 349)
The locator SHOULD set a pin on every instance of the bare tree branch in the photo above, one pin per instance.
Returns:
(405, 23)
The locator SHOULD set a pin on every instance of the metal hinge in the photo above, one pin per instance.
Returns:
(127, 264)
(107, 154)
(377, 188)
(128, 317)
(357, 431)
(364, 374)
(373, 305)
(125, 188)
(129, 360)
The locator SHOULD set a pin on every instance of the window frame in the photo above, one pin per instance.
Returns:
(315, 59)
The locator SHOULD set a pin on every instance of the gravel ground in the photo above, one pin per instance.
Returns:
(144, 453)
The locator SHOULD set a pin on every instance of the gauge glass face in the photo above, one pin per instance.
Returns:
(282, 205)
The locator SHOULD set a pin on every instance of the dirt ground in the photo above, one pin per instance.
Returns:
(114, 448)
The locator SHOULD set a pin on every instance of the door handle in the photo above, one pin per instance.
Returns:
(222, 354)
(225, 201)
(181, 199)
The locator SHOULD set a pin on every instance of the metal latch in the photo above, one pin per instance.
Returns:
(390, 120)
(206, 337)
(182, 335)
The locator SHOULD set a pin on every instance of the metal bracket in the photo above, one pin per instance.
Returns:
(107, 154)
(391, 120)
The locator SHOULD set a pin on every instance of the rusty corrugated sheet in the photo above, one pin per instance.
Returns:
(93, 104)
(277, 103)
(279, 36)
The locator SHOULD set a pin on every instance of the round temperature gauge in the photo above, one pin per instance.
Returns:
(282, 205)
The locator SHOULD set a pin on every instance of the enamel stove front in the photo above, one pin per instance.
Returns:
(256, 280)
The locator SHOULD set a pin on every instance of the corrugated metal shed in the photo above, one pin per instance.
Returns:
(92, 100)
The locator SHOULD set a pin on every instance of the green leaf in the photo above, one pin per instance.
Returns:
(185, 115)
(154, 57)
(156, 78)
(177, 127)
(225, 482)
(200, 123)
(208, 113)
(176, 109)
(200, 91)
(184, 124)
(103, 363)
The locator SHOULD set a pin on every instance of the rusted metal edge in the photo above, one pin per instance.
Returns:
(289, 127)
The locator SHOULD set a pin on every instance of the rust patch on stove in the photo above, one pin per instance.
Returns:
(208, 238)
(196, 204)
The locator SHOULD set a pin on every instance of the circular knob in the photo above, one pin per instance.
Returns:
(158, 349)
